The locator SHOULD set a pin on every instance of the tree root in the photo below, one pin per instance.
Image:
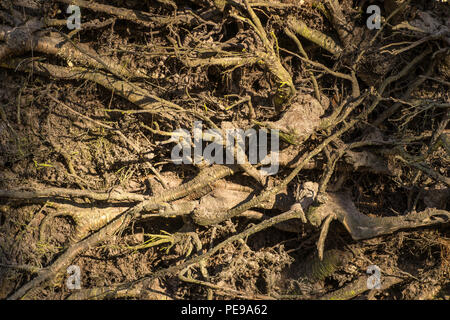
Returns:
(138, 96)
(140, 17)
(360, 226)
(60, 47)
(314, 36)
(209, 199)
(358, 287)
(122, 219)
(86, 217)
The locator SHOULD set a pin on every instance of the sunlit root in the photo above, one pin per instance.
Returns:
(361, 226)
(360, 286)
(299, 121)
(314, 36)
(139, 17)
(269, 55)
(87, 219)
(58, 46)
(215, 204)
(136, 95)
(153, 292)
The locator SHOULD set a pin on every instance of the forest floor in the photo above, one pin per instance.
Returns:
(87, 133)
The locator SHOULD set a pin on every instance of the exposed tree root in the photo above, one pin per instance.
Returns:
(350, 135)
